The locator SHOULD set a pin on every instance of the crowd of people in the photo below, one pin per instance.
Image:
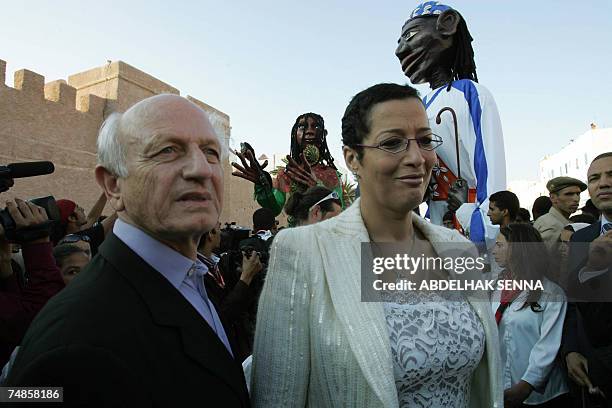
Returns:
(160, 304)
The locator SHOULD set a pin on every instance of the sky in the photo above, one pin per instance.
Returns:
(547, 63)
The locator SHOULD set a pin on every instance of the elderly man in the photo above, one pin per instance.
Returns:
(589, 361)
(136, 328)
(565, 196)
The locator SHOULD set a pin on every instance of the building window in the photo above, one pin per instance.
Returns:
(577, 165)
(585, 159)
(565, 168)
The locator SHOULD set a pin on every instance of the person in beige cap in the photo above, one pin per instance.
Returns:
(565, 196)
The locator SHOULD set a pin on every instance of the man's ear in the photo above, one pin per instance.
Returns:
(553, 197)
(111, 187)
(447, 23)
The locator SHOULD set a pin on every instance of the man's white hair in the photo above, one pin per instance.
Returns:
(111, 152)
(114, 132)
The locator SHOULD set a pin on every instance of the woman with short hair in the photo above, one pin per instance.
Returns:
(317, 343)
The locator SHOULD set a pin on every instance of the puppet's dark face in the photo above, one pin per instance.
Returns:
(422, 49)
(310, 135)
(309, 131)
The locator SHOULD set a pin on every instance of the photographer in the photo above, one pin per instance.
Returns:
(230, 290)
(263, 224)
(22, 299)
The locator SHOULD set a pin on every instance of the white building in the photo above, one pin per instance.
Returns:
(573, 160)
(527, 191)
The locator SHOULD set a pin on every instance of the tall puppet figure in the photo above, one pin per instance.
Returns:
(435, 48)
(309, 164)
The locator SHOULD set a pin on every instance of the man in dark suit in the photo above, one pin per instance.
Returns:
(589, 360)
(136, 327)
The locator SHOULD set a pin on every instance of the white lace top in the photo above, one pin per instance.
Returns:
(436, 343)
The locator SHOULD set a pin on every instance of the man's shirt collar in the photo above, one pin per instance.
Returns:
(557, 214)
(171, 264)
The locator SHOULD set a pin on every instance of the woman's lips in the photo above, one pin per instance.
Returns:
(415, 180)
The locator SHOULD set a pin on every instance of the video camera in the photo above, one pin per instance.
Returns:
(257, 244)
(235, 240)
(20, 170)
(231, 235)
(229, 248)
(35, 231)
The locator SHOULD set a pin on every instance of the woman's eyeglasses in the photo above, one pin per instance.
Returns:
(400, 144)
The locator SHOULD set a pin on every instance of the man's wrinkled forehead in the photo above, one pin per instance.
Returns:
(154, 118)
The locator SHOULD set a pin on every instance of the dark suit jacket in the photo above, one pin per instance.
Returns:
(121, 335)
(596, 316)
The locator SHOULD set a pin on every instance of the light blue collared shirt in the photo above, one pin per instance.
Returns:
(179, 270)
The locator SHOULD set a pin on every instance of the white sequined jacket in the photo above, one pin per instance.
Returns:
(318, 345)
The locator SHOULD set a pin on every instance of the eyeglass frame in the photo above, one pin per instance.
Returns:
(331, 196)
(437, 139)
(72, 240)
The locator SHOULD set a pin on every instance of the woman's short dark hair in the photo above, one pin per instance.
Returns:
(356, 119)
(528, 256)
(299, 204)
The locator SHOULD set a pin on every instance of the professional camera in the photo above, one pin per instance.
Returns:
(28, 169)
(231, 235)
(259, 245)
(229, 249)
(35, 231)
